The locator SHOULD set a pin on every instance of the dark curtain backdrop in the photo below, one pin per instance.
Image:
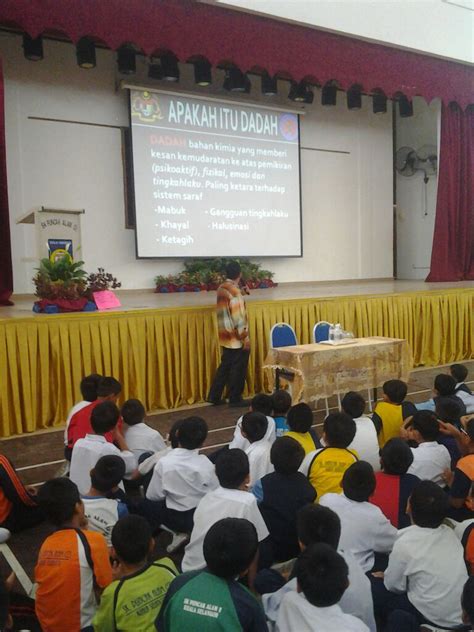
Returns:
(452, 257)
(6, 272)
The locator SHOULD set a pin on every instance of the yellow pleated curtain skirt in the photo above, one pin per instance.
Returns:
(167, 357)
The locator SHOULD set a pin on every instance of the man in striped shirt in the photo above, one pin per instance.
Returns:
(233, 338)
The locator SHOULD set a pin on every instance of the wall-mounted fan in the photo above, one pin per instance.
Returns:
(409, 161)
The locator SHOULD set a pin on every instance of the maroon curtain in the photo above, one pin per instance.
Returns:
(6, 272)
(452, 257)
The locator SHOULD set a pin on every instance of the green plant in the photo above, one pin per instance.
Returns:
(60, 279)
(100, 281)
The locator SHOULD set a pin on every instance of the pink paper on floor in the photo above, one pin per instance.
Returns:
(106, 300)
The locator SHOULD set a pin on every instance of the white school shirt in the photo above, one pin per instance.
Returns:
(140, 438)
(75, 409)
(466, 398)
(87, 452)
(357, 599)
(364, 528)
(259, 460)
(366, 443)
(428, 564)
(103, 513)
(430, 459)
(148, 464)
(183, 477)
(298, 615)
(239, 441)
(215, 505)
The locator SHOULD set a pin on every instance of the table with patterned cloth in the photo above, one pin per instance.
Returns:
(322, 370)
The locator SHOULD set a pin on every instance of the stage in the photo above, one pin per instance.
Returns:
(163, 347)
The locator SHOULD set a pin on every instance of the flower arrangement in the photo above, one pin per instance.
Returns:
(100, 281)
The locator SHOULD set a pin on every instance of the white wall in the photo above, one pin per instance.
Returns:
(73, 160)
(444, 28)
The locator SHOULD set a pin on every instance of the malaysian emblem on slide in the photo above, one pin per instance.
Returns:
(289, 126)
(146, 107)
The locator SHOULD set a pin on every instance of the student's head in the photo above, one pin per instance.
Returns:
(229, 547)
(104, 417)
(233, 270)
(281, 403)
(467, 602)
(459, 372)
(444, 385)
(353, 404)
(173, 434)
(428, 505)
(232, 468)
(316, 523)
(286, 455)
(358, 482)
(109, 388)
(322, 575)
(60, 501)
(107, 473)
(448, 409)
(133, 412)
(254, 426)
(262, 403)
(394, 391)
(339, 430)
(396, 457)
(132, 539)
(300, 418)
(89, 385)
(192, 433)
(424, 426)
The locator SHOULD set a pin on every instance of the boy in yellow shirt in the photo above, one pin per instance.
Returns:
(300, 421)
(390, 413)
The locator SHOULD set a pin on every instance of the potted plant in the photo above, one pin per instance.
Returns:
(60, 286)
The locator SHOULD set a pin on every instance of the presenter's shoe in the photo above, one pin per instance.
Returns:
(240, 403)
(216, 402)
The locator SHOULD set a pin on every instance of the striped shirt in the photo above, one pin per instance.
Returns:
(12, 490)
(231, 316)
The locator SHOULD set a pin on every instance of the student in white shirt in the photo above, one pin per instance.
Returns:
(254, 428)
(426, 571)
(230, 500)
(88, 387)
(261, 403)
(87, 451)
(430, 459)
(322, 578)
(460, 373)
(364, 528)
(365, 442)
(139, 436)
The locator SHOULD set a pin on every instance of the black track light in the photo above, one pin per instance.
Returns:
(354, 98)
(155, 71)
(85, 53)
(329, 95)
(33, 48)
(405, 107)
(126, 60)
(379, 103)
(202, 73)
(236, 81)
(269, 85)
(169, 66)
(301, 93)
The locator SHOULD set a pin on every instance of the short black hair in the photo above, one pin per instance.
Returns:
(281, 402)
(396, 457)
(230, 546)
(395, 390)
(445, 384)
(58, 498)
(192, 433)
(232, 270)
(108, 386)
(255, 426)
(426, 423)
(448, 409)
(107, 473)
(133, 412)
(339, 429)
(232, 468)
(286, 455)
(429, 504)
(322, 574)
(316, 523)
(459, 372)
(104, 417)
(353, 404)
(300, 418)
(467, 599)
(131, 537)
(358, 481)
(470, 429)
(173, 437)
(89, 385)
(262, 403)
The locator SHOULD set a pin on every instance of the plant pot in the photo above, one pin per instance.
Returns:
(61, 304)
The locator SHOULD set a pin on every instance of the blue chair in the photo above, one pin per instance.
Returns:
(321, 331)
(282, 335)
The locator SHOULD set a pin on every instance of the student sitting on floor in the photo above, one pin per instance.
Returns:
(147, 465)
(261, 403)
(325, 467)
(430, 459)
(88, 388)
(393, 485)
(444, 386)
(459, 372)
(18, 505)
(87, 451)
(254, 428)
(281, 404)
(300, 422)
(449, 411)
(213, 600)
(281, 495)
(322, 579)
(460, 481)
(365, 531)
(365, 442)
(389, 414)
(73, 564)
(133, 601)
(139, 436)
(102, 511)
(230, 500)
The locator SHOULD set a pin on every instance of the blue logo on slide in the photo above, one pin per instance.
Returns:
(289, 126)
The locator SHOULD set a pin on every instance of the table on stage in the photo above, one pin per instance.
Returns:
(322, 370)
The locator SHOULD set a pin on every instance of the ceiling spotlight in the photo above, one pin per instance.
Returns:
(379, 103)
(85, 53)
(169, 65)
(155, 71)
(269, 85)
(329, 94)
(236, 81)
(405, 107)
(202, 73)
(33, 48)
(301, 93)
(126, 60)
(354, 98)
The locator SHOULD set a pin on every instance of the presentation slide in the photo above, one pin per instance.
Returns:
(214, 179)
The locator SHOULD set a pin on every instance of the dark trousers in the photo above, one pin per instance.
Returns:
(23, 517)
(231, 373)
(157, 513)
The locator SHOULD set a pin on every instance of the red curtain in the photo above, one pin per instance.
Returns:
(6, 272)
(452, 257)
